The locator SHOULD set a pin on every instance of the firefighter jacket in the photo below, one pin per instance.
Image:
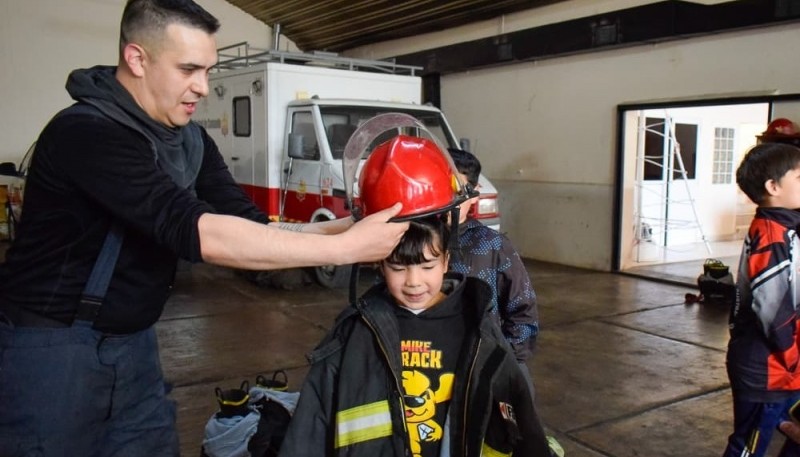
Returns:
(763, 350)
(352, 401)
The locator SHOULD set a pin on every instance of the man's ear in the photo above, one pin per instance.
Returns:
(134, 57)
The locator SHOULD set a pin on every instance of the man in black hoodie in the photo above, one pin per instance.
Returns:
(121, 186)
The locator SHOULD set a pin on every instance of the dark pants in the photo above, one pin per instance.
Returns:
(754, 425)
(74, 391)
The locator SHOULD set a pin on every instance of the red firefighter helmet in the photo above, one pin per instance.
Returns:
(410, 170)
(781, 126)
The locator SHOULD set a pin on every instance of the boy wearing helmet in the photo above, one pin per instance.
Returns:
(489, 255)
(415, 366)
(763, 358)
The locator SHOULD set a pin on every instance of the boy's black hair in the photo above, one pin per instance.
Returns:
(467, 164)
(147, 19)
(764, 162)
(431, 231)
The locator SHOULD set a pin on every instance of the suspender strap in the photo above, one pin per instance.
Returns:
(95, 291)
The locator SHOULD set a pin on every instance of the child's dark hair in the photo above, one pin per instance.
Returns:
(467, 164)
(431, 231)
(764, 162)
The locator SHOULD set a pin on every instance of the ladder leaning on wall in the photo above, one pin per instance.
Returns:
(648, 228)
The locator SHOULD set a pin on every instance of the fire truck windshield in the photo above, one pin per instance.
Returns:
(341, 121)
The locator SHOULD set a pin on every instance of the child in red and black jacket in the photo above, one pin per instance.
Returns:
(763, 351)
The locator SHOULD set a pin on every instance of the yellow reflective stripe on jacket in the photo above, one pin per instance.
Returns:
(486, 451)
(363, 423)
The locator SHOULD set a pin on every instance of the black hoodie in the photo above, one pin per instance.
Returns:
(177, 150)
(113, 162)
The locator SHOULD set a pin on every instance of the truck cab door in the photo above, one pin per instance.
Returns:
(301, 174)
(248, 161)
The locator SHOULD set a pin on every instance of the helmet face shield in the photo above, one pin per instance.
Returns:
(416, 171)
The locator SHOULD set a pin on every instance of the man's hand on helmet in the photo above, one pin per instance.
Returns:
(373, 238)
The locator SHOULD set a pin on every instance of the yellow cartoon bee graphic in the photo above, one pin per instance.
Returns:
(420, 407)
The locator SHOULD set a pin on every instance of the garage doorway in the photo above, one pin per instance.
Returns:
(678, 199)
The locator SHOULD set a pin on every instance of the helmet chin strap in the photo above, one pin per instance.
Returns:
(455, 216)
(354, 282)
(454, 247)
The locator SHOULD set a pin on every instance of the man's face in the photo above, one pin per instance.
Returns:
(176, 74)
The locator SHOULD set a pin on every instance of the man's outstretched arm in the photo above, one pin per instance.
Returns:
(235, 242)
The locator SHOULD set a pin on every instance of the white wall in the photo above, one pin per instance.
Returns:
(546, 130)
(41, 41)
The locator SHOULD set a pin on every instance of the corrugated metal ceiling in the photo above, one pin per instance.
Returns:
(337, 25)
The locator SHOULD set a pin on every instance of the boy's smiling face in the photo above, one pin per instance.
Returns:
(417, 287)
(785, 193)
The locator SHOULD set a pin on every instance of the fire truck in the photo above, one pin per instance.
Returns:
(282, 119)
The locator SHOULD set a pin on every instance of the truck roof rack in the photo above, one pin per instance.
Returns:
(242, 55)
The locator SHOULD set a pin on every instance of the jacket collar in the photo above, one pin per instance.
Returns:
(789, 218)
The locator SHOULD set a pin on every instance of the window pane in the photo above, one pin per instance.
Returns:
(303, 126)
(723, 156)
(241, 116)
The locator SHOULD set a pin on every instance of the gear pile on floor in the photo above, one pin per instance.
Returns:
(716, 285)
(250, 421)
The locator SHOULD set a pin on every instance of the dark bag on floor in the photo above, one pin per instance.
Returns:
(716, 284)
(275, 417)
(272, 427)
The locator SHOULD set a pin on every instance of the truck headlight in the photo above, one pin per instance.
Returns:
(486, 207)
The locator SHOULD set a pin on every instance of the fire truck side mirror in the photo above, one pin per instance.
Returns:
(295, 149)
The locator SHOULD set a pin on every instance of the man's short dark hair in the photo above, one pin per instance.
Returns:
(764, 162)
(147, 19)
(467, 164)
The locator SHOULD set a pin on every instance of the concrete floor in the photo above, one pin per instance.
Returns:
(623, 368)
